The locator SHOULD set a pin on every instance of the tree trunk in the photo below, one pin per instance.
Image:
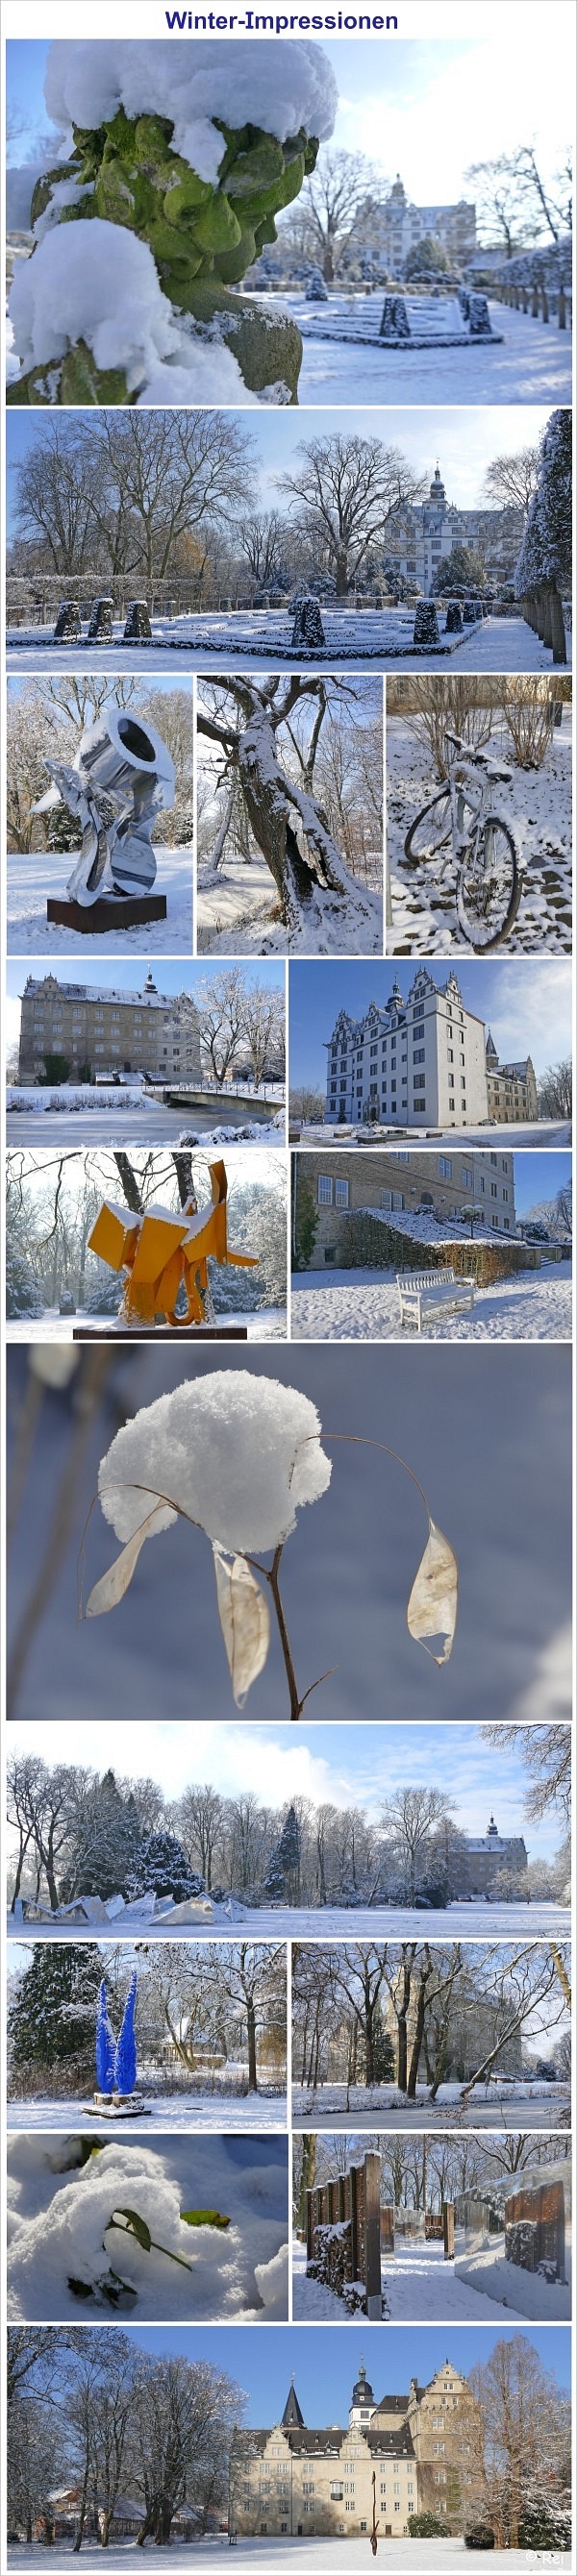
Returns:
(184, 1174)
(369, 2044)
(251, 2034)
(129, 1183)
(558, 639)
(417, 2042)
(308, 2169)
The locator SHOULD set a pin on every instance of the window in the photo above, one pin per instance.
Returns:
(402, 1158)
(336, 2490)
(450, 1055)
(467, 1180)
(418, 1055)
(324, 1190)
(397, 1200)
(341, 1194)
(445, 1167)
(493, 1189)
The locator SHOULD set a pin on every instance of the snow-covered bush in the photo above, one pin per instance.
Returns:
(543, 568)
(190, 152)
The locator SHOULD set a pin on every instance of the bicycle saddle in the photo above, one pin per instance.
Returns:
(505, 775)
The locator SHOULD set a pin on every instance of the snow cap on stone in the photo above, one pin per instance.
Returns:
(237, 1453)
(279, 87)
(98, 282)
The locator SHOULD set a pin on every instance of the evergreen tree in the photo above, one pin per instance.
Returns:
(52, 2017)
(161, 1868)
(283, 1873)
(106, 1842)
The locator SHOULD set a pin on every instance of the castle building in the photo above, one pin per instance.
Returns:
(423, 534)
(455, 1185)
(511, 1088)
(419, 1063)
(101, 1031)
(483, 1857)
(396, 226)
(395, 2455)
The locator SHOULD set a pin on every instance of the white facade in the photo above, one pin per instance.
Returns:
(397, 225)
(419, 1063)
(422, 537)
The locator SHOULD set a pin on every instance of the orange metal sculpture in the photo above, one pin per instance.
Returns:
(163, 1252)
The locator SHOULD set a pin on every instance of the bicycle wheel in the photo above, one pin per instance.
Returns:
(431, 829)
(488, 886)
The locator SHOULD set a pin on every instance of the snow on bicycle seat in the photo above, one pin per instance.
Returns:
(504, 775)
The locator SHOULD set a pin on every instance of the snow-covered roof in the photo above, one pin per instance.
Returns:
(152, 1000)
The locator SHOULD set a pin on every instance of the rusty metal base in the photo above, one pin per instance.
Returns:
(119, 912)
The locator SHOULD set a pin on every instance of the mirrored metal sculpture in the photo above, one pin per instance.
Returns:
(121, 778)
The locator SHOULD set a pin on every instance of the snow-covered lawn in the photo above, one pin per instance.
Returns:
(31, 878)
(363, 1306)
(269, 1324)
(59, 2229)
(473, 1919)
(237, 914)
(224, 639)
(533, 364)
(182, 2110)
(540, 1131)
(420, 2287)
(537, 807)
(349, 2556)
(506, 2102)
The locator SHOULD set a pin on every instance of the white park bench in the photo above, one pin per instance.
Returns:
(422, 1292)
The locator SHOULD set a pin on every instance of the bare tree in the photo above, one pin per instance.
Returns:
(556, 1090)
(510, 481)
(516, 203)
(411, 1818)
(350, 488)
(331, 201)
(546, 1754)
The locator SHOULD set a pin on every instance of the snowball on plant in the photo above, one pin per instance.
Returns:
(235, 1453)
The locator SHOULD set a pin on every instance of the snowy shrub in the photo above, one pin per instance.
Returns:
(162, 1869)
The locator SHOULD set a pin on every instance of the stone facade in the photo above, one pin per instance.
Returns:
(107, 1031)
(420, 2449)
(511, 1089)
(421, 537)
(397, 225)
(486, 1856)
(451, 1185)
(419, 1063)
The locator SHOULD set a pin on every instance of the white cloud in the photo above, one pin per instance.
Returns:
(549, 1695)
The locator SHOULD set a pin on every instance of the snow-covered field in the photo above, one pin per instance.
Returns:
(224, 639)
(269, 1324)
(533, 364)
(537, 807)
(473, 1920)
(349, 2556)
(544, 1132)
(237, 915)
(180, 2110)
(31, 878)
(363, 1306)
(60, 2229)
(420, 2287)
(506, 2102)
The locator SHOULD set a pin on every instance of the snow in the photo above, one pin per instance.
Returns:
(77, 1097)
(59, 2224)
(540, 1131)
(349, 2556)
(470, 1918)
(182, 2110)
(150, 1124)
(363, 1305)
(236, 1453)
(266, 1324)
(237, 915)
(40, 873)
(98, 282)
(418, 2287)
(223, 639)
(536, 805)
(532, 365)
(505, 2102)
(279, 87)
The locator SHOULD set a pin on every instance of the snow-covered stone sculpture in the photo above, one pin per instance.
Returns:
(308, 633)
(426, 626)
(121, 778)
(164, 1254)
(68, 625)
(100, 626)
(181, 158)
(315, 290)
(453, 620)
(138, 628)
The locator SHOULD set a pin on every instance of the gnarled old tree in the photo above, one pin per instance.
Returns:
(288, 822)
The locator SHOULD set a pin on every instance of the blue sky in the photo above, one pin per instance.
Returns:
(527, 1006)
(345, 1764)
(464, 440)
(171, 975)
(472, 1422)
(325, 2364)
(392, 98)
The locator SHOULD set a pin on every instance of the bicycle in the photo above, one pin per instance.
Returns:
(488, 883)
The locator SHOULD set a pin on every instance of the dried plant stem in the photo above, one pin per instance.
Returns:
(271, 1576)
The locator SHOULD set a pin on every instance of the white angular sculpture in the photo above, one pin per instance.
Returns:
(121, 777)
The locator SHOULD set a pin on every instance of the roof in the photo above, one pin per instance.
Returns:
(150, 1001)
(330, 2440)
(292, 2413)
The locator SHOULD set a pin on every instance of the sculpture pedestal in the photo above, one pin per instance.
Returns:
(117, 2106)
(160, 1333)
(110, 912)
